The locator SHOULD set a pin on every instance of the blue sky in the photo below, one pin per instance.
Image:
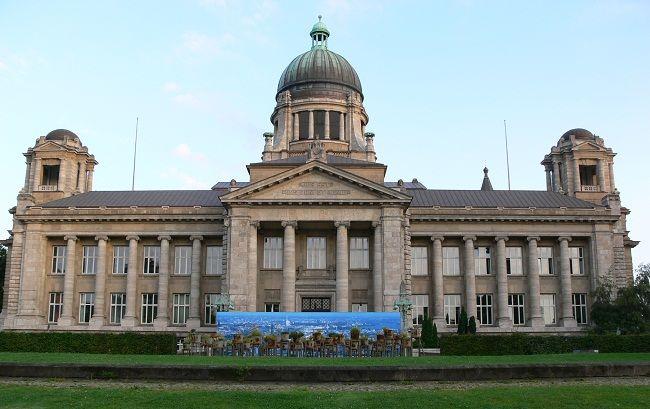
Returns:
(439, 78)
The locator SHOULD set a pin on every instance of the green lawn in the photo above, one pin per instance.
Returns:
(574, 397)
(32, 357)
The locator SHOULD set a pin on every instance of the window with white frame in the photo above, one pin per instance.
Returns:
(516, 309)
(482, 261)
(118, 308)
(86, 307)
(272, 253)
(89, 262)
(359, 307)
(484, 308)
(211, 308)
(151, 259)
(577, 259)
(547, 302)
(580, 307)
(214, 260)
(316, 252)
(272, 307)
(120, 259)
(514, 264)
(183, 260)
(58, 259)
(149, 308)
(451, 261)
(419, 261)
(180, 308)
(452, 308)
(420, 308)
(359, 252)
(55, 307)
(546, 265)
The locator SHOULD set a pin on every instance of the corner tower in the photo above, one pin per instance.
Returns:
(319, 97)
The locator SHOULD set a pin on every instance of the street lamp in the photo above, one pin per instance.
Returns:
(403, 304)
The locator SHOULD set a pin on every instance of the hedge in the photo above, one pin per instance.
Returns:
(522, 344)
(90, 343)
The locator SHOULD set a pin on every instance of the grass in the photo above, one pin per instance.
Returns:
(559, 396)
(69, 358)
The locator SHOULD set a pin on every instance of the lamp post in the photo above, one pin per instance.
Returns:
(224, 303)
(403, 304)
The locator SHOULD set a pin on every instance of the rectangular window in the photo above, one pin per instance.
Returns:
(86, 307)
(151, 259)
(419, 261)
(180, 308)
(272, 307)
(316, 251)
(580, 307)
(149, 308)
(484, 308)
(577, 260)
(272, 253)
(452, 309)
(54, 308)
(514, 265)
(58, 259)
(183, 260)
(359, 307)
(420, 308)
(89, 265)
(214, 260)
(546, 266)
(516, 309)
(359, 253)
(120, 259)
(118, 307)
(211, 308)
(451, 261)
(547, 302)
(482, 261)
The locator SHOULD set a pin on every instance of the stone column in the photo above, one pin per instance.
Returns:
(503, 317)
(549, 180)
(28, 173)
(289, 266)
(601, 175)
(342, 256)
(470, 280)
(194, 320)
(99, 315)
(252, 267)
(162, 318)
(311, 124)
(576, 175)
(612, 184)
(566, 305)
(438, 284)
(377, 279)
(131, 283)
(327, 124)
(556, 176)
(67, 315)
(296, 126)
(534, 310)
(342, 126)
(89, 181)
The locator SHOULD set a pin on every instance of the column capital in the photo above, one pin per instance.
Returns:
(533, 238)
(193, 238)
(499, 238)
(133, 237)
(161, 238)
(342, 223)
(255, 223)
(292, 223)
(101, 238)
(564, 238)
(468, 238)
(437, 238)
(68, 238)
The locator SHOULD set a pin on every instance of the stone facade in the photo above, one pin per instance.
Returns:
(315, 228)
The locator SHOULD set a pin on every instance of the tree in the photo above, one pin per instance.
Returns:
(471, 327)
(436, 341)
(462, 322)
(604, 313)
(427, 332)
(3, 264)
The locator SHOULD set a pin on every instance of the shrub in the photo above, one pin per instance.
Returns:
(471, 327)
(91, 343)
(462, 322)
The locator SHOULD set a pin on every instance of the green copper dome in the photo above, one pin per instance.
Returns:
(319, 27)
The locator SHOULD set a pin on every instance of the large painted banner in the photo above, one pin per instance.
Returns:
(370, 323)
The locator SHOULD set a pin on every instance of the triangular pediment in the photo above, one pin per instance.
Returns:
(588, 146)
(315, 182)
(49, 146)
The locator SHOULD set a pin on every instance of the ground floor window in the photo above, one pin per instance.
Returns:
(86, 307)
(55, 307)
(484, 309)
(316, 304)
(211, 308)
(516, 309)
(547, 302)
(149, 308)
(420, 307)
(452, 309)
(180, 308)
(580, 307)
(272, 307)
(118, 307)
(359, 307)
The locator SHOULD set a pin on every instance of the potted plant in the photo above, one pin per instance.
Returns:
(355, 332)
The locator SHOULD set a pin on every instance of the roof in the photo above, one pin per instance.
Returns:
(518, 199)
(407, 185)
(331, 160)
(141, 198)
(226, 185)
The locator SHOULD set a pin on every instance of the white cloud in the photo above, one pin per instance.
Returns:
(185, 152)
(187, 181)
(215, 3)
(264, 10)
(203, 44)
(171, 87)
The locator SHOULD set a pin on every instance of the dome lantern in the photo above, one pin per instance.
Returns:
(319, 34)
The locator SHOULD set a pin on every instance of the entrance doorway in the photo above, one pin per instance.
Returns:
(316, 304)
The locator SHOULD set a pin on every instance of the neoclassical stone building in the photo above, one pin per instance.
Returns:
(316, 228)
